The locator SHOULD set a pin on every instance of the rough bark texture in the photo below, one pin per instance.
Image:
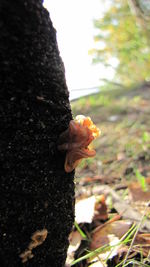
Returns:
(35, 191)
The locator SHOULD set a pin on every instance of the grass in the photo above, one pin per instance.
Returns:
(124, 121)
(142, 180)
(125, 239)
(123, 152)
(80, 230)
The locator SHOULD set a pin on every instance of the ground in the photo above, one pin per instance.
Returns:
(121, 167)
(124, 144)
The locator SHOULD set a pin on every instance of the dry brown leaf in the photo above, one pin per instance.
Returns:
(127, 211)
(110, 235)
(111, 252)
(142, 243)
(101, 209)
(143, 237)
(115, 218)
(89, 179)
(137, 194)
(74, 243)
(117, 229)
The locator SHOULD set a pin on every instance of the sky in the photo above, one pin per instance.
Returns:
(73, 21)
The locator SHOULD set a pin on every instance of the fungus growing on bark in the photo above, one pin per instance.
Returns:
(76, 139)
(37, 238)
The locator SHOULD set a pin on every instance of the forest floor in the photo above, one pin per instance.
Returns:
(113, 188)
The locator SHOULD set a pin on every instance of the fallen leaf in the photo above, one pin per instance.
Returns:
(101, 209)
(142, 243)
(115, 218)
(84, 210)
(101, 237)
(121, 206)
(74, 243)
(110, 253)
(109, 234)
(137, 194)
(88, 179)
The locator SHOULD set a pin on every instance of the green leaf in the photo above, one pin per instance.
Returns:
(141, 180)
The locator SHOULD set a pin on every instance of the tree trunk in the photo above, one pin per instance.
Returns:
(36, 195)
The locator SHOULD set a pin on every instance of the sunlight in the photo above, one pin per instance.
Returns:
(73, 21)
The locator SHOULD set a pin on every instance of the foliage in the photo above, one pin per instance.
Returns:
(121, 36)
(113, 189)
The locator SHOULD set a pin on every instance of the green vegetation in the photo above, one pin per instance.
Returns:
(122, 164)
(120, 171)
(141, 180)
(123, 117)
(123, 36)
(124, 240)
(80, 230)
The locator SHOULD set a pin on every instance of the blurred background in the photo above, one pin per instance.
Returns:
(105, 46)
(102, 43)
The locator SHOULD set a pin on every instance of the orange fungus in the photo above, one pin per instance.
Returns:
(76, 139)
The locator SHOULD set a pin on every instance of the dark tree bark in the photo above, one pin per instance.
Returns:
(35, 191)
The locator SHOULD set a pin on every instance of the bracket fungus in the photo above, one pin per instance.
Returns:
(76, 140)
